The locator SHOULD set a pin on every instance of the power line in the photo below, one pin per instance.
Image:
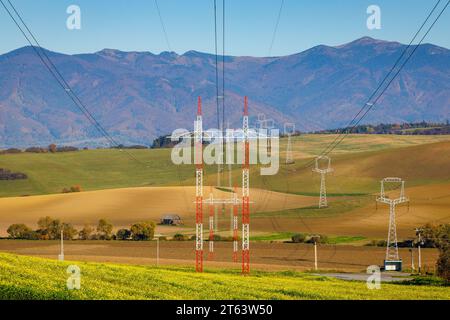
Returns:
(223, 65)
(276, 27)
(48, 63)
(216, 64)
(390, 71)
(163, 25)
(364, 111)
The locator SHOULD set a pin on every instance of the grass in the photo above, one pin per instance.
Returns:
(288, 236)
(344, 239)
(107, 169)
(40, 279)
(335, 207)
(273, 236)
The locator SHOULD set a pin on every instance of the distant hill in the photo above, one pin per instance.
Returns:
(138, 96)
(416, 128)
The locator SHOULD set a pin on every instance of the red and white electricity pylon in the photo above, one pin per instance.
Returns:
(211, 226)
(235, 225)
(198, 159)
(246, 194)
(212, 202)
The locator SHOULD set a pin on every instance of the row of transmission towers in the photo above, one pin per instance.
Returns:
(213, 202)
(322, 166)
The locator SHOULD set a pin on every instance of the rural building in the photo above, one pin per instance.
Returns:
(171, 219)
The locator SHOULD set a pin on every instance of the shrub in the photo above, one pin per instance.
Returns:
(66, 149)
(143, 231)
(11, 150)
(36, 150)
(179, 237)
(18, 231)
(123, 234)
(443, 265)
(50, 227)
(298, 238)
(438, 236)
(69, 232)
(75, 188)
(86, 232)
(104, 230)
(31, 235)
(381, 243)
(321, 239)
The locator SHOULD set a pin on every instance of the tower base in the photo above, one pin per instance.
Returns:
(393, 265)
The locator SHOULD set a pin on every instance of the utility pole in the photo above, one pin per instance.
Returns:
(157, 251)
(323, 172)
(61, 254)
(157, 236)
(315, 255)
(419, 233)
(392, 261)
(315, 238)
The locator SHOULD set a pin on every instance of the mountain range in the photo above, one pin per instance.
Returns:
(138, 96)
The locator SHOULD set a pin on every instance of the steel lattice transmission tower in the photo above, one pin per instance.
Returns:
(289, 129)
(246, 194)
(198, 160)
(392, 260)
(323, 172)
(235, 225)
(265, 125)
(211, 226)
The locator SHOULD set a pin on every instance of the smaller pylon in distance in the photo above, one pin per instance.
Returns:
(323, 170)
(289, 130)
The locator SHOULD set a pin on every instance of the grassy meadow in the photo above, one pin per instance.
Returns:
(108, 169)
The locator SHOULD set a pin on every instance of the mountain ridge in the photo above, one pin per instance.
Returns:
(138, 96)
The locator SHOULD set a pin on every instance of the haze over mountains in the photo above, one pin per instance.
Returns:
(138, 96)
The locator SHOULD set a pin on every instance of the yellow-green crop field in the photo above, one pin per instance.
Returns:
(35, 278)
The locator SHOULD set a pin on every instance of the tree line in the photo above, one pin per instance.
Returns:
(50, 229)
(52, 148)
(408, 128)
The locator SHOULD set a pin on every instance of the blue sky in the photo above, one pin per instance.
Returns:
(134, 24)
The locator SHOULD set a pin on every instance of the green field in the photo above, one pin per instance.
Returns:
(107, 169)
(35, 278)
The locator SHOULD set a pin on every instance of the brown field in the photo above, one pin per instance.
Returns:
(123, 207)
(264, 256)
(429, 204)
